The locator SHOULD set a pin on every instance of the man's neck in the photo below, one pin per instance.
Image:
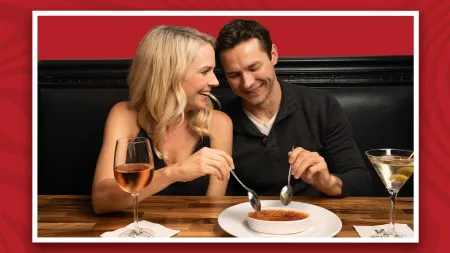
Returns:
(266, 110)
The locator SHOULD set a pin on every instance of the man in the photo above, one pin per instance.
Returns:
(277, 124)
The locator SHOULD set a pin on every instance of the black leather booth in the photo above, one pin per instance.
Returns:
(74, 98)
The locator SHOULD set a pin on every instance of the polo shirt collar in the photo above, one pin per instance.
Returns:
(242, 124)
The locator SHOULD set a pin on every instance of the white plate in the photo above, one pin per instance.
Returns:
(324, 223)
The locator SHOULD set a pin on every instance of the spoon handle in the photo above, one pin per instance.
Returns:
(290, 169)
(232, 172)
(289, 175)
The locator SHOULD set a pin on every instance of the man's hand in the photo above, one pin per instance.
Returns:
(312, 169)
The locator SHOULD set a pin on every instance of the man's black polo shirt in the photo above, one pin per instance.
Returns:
(309, 119)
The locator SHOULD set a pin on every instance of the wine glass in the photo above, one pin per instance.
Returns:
(394, 167)
(133, 171)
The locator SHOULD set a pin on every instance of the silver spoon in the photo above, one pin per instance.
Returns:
(287, 192)
(252, 196)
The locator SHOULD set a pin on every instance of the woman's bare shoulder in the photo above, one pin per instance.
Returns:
(123, 110)
(220, 121)
(122, 116)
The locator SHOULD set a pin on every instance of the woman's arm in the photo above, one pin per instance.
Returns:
(107, 196)
(221, 128)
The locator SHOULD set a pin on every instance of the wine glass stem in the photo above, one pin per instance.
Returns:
(391, 230)
(135, 211)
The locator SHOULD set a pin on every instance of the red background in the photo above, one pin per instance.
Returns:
(15, 108)
(118, 37)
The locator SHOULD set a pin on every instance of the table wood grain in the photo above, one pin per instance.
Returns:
(72, 216)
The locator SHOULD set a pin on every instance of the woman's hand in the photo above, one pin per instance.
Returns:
(205, 161)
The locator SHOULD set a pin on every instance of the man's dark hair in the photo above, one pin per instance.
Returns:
(240, 30)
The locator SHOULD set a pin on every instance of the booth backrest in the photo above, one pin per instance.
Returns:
(72, 109)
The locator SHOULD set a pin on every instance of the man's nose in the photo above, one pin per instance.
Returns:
(248, 80)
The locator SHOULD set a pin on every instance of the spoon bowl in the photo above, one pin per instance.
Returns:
(252, 196)
(254, 200)
(286, 195)
(287, 191)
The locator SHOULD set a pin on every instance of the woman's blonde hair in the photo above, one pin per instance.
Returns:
(155, 82)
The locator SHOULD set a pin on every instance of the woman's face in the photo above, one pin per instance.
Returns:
(200, 78)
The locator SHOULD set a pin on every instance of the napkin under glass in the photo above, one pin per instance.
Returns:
(159, 230)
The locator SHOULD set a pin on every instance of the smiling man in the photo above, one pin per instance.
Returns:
(277, 124)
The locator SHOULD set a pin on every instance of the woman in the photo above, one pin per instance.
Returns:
(170, 81)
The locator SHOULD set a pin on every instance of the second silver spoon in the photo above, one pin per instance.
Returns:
(287, 191)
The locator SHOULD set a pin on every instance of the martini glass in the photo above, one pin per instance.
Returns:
(394, 167)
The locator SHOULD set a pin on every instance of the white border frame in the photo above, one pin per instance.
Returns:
(414, 14)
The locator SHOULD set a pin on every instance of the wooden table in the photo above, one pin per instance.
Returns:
(72, 216)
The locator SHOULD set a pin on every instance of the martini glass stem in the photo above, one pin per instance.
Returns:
(391, 230)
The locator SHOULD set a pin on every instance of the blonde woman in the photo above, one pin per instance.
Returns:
(170, 81)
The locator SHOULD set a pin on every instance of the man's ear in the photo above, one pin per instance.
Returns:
(274, 53)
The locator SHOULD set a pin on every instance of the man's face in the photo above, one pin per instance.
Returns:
(249, 71)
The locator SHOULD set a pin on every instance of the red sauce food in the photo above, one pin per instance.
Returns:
(278, 215)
